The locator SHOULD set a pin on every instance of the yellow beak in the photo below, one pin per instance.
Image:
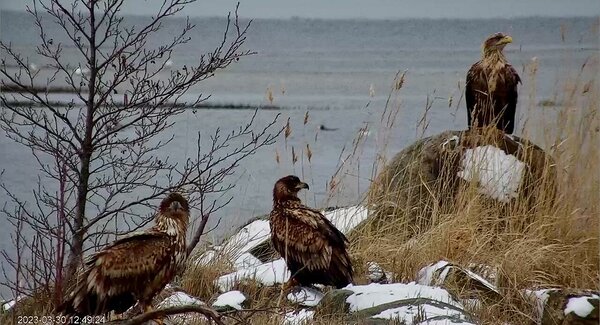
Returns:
(507, 39)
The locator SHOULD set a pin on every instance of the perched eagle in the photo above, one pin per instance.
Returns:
(491, 87)
(314, 250)
(132, 269)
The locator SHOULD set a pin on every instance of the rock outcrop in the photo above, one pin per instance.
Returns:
(430, 174)
(567, 306)
(409, 303)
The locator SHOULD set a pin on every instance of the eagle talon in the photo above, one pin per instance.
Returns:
(290, 285)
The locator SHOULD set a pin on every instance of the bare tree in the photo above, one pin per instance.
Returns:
(104, 148)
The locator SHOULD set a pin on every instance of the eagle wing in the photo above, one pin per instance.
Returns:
(136, 257)
(512, 94)
(470, 89)
(123, 272)
(305, 238)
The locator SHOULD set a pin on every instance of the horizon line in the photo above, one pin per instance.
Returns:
(300, 17)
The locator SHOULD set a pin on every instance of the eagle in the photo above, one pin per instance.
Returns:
(132, 269)
(313, 249)
(491, 87)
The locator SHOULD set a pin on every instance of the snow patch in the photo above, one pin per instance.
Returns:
(302, 316)
(266, 274)
(346, 219)
(232, 299)
(407, 314)
(250, 236)
(374, 294)
(499, 175)
(580, 306)
(445, 322)
(206, 257)
(246, 260)
(7, 305)
(308, 297)
(237, 247)
(179, 299)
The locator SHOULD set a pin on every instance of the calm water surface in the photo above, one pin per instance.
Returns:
(341, 73)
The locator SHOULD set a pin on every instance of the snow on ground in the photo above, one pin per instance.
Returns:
(268, 274)
(580, 306)
(7, 305)
(302, 316)
(445, 322)
(237, 247)
(250, 236)
(374, 294)
(305, 296)
(346, 219)
(246, 260)
(410, 314)
(179, 299)
(233, 299)
(499, 175)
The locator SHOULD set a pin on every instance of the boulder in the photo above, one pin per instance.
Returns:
(429, 175)
(567, 306)
(381, 303)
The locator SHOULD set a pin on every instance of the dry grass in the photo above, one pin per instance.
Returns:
(537, 243)
(549, 238)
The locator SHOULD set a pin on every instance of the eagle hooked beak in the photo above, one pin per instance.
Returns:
(302, 185)
(175, 206)
(505, 40)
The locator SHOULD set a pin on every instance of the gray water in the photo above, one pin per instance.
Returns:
(341, 73)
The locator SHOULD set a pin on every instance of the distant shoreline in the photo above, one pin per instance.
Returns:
(301, 18)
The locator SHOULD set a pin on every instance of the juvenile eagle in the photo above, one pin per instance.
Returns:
(132, 269)
(491, 87)
(314, 250)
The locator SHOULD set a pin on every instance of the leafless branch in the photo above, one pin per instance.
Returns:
(101, 155)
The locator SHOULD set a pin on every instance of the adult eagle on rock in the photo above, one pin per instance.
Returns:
(132, 269)
(491, 87)
(314, 250)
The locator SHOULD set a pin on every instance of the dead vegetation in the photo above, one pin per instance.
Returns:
(548, 242)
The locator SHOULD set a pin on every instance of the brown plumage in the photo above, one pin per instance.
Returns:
(491, 87)
(314, 250)
(134, 268)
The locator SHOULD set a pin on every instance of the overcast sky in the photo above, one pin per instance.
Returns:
(373, 9)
